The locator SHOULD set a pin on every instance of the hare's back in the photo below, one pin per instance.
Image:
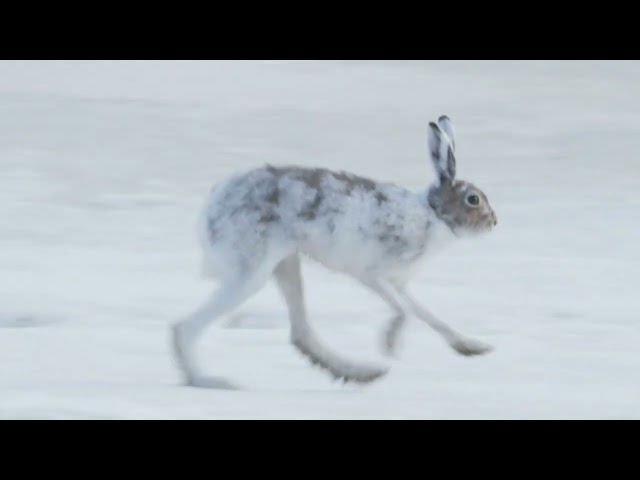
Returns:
(295, 198)
(344, 220)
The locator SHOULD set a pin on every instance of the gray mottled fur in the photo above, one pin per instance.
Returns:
(323, 200)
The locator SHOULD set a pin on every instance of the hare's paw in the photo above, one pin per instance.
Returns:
(469, 346)
(361, 375)
(215, 383)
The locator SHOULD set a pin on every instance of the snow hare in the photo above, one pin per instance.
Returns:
(257, 224)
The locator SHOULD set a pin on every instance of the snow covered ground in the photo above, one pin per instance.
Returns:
(104, 165)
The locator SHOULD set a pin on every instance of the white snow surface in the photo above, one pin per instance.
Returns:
(104, 166)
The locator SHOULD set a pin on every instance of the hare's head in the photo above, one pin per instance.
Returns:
(461, 205)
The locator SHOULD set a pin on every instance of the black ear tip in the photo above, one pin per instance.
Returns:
(444, 118)
(434, 126)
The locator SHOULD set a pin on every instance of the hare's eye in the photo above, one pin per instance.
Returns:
(473, 200)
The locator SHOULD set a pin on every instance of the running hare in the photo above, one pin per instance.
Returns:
(257, 224)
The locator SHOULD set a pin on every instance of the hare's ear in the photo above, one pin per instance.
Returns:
(441, 154)
(446, 125)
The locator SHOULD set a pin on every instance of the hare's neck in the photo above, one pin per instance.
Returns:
(444, 228)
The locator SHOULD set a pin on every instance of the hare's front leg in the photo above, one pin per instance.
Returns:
(460, 343)
(396, 323)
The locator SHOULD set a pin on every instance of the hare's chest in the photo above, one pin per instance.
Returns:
(404, 256)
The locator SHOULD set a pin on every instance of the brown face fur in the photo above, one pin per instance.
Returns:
(450, 202)
(450, 198)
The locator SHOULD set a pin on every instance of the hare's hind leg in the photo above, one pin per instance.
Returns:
(186, 333)
(289, 280)
(234, 289)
